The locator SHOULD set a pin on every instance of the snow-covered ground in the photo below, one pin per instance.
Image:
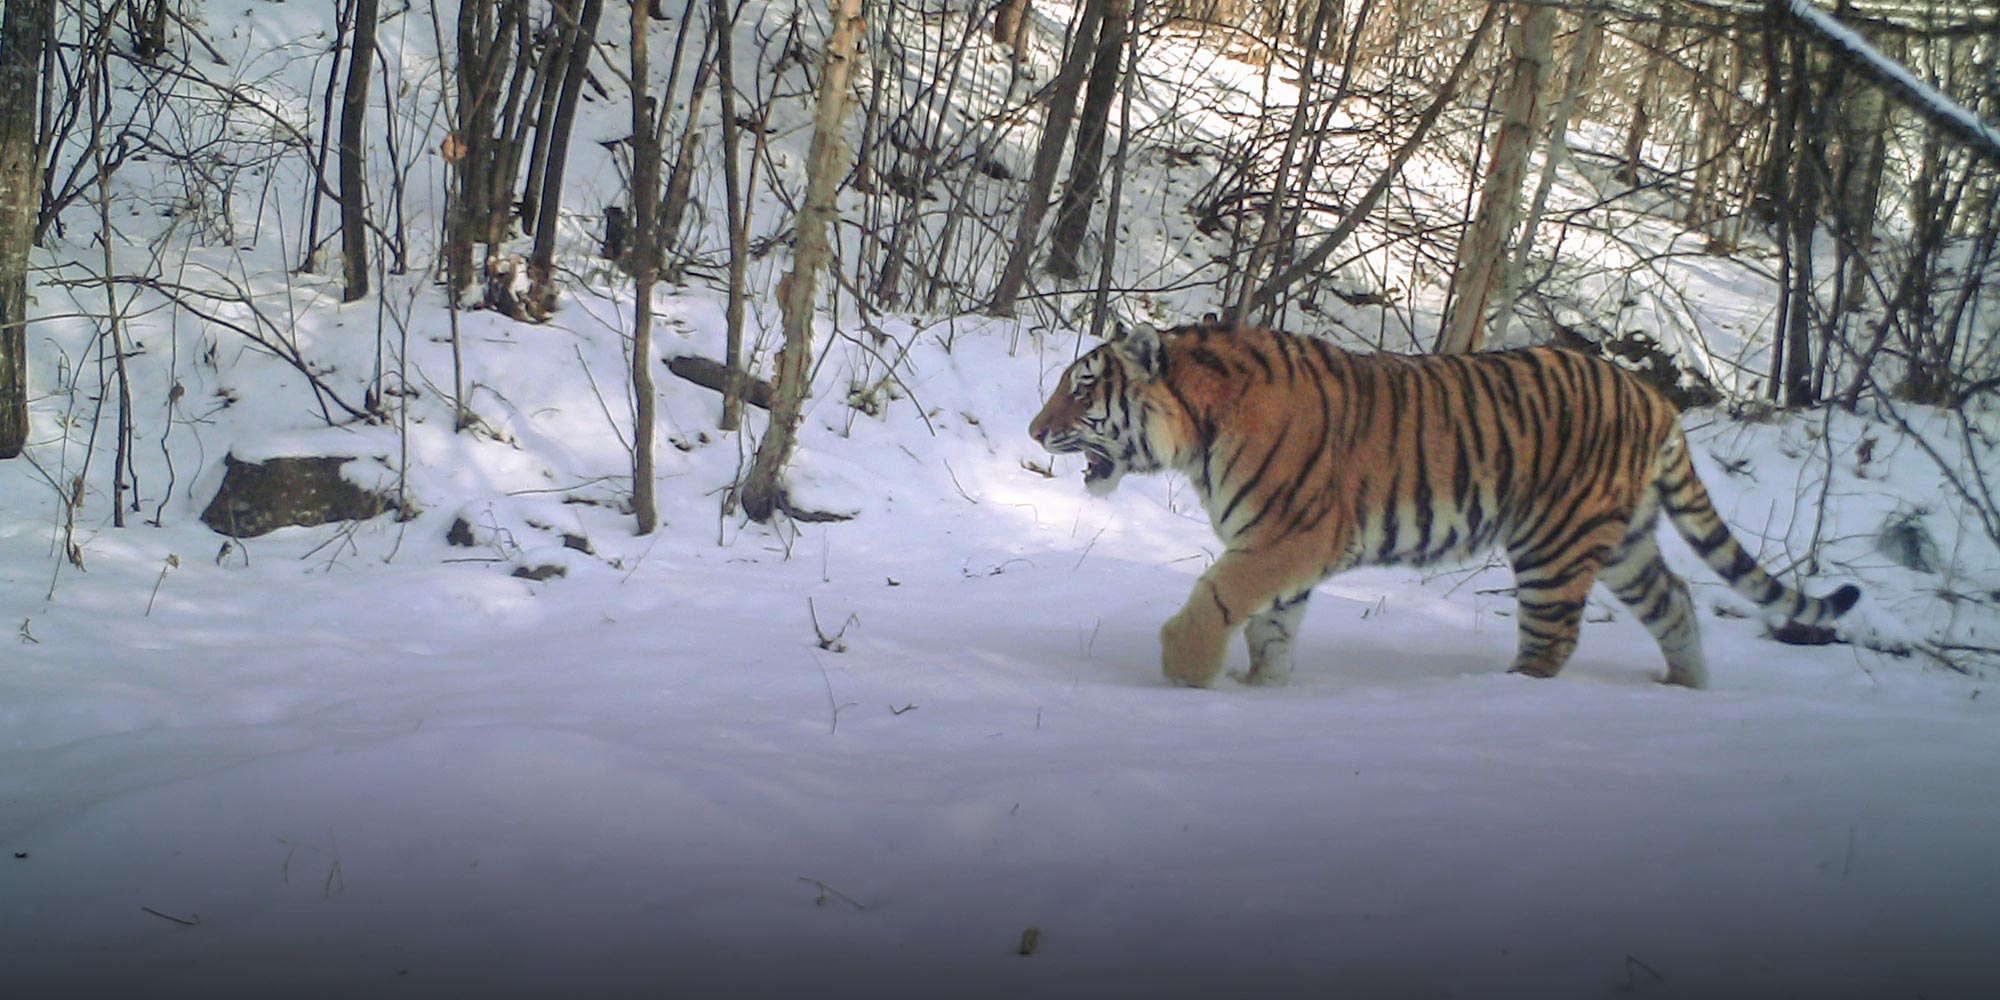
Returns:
(376, 764)
(887, 756)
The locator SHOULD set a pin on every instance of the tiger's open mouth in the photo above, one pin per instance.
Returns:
(1098, 465)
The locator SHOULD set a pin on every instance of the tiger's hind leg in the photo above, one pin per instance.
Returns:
(1641, 579)
(1270, 635)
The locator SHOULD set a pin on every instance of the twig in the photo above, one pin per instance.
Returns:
(601, 404)
(173, 562)
(831, 643)
(957, 486)
(833, 723)
(1631, 982)
(829, 892)
(191, 920)
(1088, 546)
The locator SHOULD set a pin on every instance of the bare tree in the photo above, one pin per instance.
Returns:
(1482, 251)
(491, 84)
(1352, 219)
(353, 147)
(1583, 55)
(1048, 159)
(25, 27)
(1268, 238)
(673, 204)
(826, 164)
(1644, 98)
(1010, 27)
(579, 33)
(645, 196)
(1086, 168)
(723, 23)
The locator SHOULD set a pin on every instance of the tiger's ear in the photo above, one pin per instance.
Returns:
(1139, 345)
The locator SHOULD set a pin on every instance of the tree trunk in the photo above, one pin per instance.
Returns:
(826, 163)
(353, 148)
(1798, 144)
(1583, 56)
(737, 207)
(479, 147)
(25, 27)
(1086, 166)
(542, 260)
(1010, 28)
(517, 118)
(466, 149)
(645, 269)
(1048, 158)
(1100, 302)
(1642, 108)
(1482, 251)
(548, 89)
(1862, 130)
(673, 208)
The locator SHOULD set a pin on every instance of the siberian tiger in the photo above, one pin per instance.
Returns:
(1310, 460)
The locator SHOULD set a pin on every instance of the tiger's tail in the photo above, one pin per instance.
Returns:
(1688, 505)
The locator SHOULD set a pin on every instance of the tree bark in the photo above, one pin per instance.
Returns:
(1797, 144)
(673, 208)
(25, 27)
(1642, 107)
(1010, 23)
(479, 147)
(1482, 251)
(1048, 158)
(542, 260)
(353, 147)
(737, 207)
(1086, 168)
(826, 163)
(645, 197)
(1583, 56)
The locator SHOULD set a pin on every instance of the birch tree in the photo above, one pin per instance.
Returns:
(1482, 251)
(645, 197)
(826, 163)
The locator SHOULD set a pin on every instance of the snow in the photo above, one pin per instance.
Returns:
(866, 758)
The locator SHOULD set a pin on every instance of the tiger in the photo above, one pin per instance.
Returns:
(1310, 460)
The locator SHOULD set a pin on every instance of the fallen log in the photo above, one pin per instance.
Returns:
(714, 375)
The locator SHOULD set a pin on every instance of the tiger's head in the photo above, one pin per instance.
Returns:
(1103, 408)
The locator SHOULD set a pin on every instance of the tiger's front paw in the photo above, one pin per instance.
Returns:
(1263, 675)
(1187, 656)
